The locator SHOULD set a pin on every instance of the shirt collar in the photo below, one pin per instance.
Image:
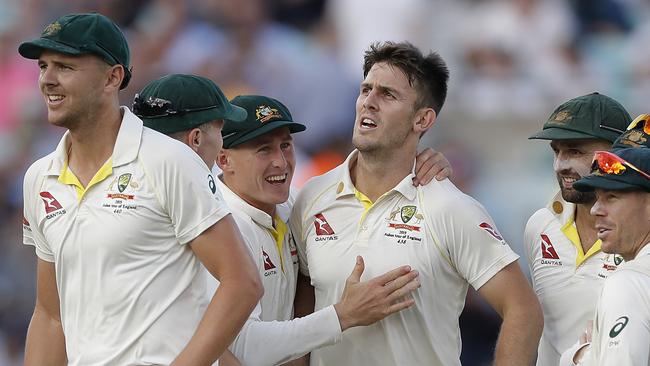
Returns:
(564, 211)
(126, 147)
(345, 186)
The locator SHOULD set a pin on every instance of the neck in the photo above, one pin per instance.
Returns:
(92, 142)
(374, 174)
(586, 226)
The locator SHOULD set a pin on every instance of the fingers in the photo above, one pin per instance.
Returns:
(404, 290)
(445, 173)
(391, 275)
(357, 271)
(407, 303)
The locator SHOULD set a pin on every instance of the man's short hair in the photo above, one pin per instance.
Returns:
(428, 74)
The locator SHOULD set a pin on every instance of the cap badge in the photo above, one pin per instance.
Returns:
(633, 138)
(51, 29)
(265, 113)
(562, 116)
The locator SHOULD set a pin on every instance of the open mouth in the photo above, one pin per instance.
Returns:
(55, 99)
(277, 179)
(567, 182)
(367, 123)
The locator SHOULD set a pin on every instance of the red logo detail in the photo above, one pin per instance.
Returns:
(548, 251)
(322, 226)
(51, 204)
(267, 261)
(485, 226)
(25, 222)
(404, 226)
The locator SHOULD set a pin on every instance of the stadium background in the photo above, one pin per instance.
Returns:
(511, 62)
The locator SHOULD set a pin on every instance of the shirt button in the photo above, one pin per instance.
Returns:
(364, 228)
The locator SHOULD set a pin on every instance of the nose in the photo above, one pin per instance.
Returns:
(279, 160)
(47, 76)
(597, 209)
(560, 163)
(369, 101)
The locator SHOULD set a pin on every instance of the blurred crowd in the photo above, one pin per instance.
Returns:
(511, 62)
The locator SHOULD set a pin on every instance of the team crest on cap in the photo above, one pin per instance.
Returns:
(633, 138)
(265, 113)
(52, 29)
(562, 116)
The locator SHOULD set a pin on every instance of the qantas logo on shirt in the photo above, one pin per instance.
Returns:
(322, 226)
(549, 255)
(267, 261)
(323, 229)
(52, 207)
(492, 231)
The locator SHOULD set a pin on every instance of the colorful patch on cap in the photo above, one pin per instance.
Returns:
(562, 116)
(52, 29)
(265, 113)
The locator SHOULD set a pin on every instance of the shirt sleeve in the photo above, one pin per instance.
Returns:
(476, 248)
(276, 342)
(188, 192)
(31, 231)
(623, 321)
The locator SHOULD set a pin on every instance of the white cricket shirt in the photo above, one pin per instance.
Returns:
(131, 292)
(436, 229)
(270, 337)
(567, 281)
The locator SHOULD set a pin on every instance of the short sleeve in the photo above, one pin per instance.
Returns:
(187, 191)
(31, 231)
(476, 248)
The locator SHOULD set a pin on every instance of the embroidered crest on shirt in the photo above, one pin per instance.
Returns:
(549, 255)
(120, 193)
(407, 228)
(52, 207)
(610, 263)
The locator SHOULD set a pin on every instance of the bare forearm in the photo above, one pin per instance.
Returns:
(45, 343)
(519, 337)
(230, 306)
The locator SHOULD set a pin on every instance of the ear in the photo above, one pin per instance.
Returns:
(115, 75)
(425, 118)
(224, 162)
(194, 138)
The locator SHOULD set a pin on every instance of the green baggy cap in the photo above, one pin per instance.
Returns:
(78, 34)
(180, 102)
(592, 116)
(264, 115)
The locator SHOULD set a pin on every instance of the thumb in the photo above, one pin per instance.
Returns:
(357, 271)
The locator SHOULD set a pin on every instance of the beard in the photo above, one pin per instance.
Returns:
(573, 196)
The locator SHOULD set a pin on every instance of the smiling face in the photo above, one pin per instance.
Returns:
(622, 221)
(72, 86)
(260, 170)
(572, 161)
(385, 110)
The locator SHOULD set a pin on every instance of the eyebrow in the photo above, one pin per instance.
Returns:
(381, 88)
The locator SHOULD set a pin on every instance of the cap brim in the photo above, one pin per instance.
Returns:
(238, 138)
(591, 182)
(554, 133)
(235, 113)
(33, 49)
